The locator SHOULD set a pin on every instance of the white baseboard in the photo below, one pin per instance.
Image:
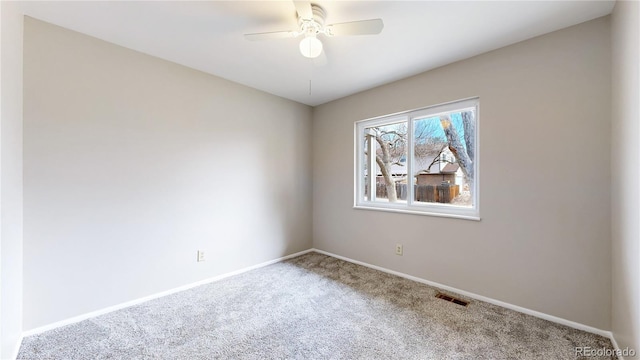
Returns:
(503, 304)
(16, 350)
(615, 344)
(127, 304)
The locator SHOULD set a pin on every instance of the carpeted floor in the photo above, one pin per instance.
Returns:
(311, 307)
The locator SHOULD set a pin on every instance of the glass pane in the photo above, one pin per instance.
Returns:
(443, 158)
(388, 144)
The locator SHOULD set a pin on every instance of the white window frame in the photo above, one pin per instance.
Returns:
(411, 206)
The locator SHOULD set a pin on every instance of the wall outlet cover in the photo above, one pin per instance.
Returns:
(201, 256)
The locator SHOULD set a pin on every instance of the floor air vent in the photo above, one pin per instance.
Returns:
(452, 299)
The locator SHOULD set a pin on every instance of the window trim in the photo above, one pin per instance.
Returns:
(411, 206)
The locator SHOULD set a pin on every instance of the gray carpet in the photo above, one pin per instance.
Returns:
(311, 307)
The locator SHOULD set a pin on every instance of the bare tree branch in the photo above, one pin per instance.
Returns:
(457, 148)
(437, 160)
(392, 196)
(469, 126)
(392, 147)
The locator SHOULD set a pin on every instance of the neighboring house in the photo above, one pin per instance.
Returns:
(434, 163)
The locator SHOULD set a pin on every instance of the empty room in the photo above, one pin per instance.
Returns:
(319, 180)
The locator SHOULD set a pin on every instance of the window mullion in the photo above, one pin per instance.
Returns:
(410, 161)
(371, 166)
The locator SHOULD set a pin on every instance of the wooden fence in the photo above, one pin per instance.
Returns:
(442, 193)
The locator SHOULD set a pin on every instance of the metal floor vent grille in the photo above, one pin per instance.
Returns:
(452, 299)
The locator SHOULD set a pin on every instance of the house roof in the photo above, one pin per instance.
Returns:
(425, 156)
(450, 168)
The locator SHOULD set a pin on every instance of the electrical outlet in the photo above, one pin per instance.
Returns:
(399, 249)
(201, 256)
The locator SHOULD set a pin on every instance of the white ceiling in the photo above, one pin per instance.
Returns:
(417, 36)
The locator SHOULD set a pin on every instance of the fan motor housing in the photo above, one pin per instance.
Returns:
(314, 25)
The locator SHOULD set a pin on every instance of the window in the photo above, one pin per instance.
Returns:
(423, 161)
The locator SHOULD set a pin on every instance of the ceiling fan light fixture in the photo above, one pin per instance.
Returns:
(311, 23)
(311, 47)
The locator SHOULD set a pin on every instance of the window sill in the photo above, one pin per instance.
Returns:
(418, 212)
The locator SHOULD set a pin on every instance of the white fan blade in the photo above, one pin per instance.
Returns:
(270, 35)
(304, 9)
(363, 27)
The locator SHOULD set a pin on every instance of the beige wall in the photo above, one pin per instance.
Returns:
(11, 180)
(625, 176)
(132, 164)
(544, 239)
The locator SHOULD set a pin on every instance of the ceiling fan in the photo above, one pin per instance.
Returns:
(311, 24)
